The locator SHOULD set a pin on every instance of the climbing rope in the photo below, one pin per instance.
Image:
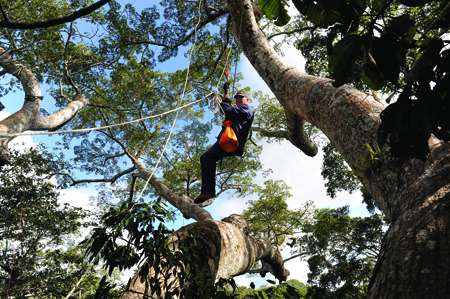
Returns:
(86, 130)
(180, 100)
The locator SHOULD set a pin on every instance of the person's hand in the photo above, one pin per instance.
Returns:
(226, 87)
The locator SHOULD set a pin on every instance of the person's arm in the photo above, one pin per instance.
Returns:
(234, 113)
(225, 97)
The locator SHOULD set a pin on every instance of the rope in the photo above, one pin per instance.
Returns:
(235, 73)
(155, 168)
(237, 56)
(85, 130)
(216, 98)
(225, 66)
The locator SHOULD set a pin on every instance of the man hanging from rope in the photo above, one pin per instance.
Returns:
(241, 117)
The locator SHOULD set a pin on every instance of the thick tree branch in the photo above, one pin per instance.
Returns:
(183, 203)
(226, 249)
(28, 117)
(21, 120)
(295, 133)
(58, 119)
(6, 23)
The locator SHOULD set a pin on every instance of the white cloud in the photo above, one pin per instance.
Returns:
(303, 175)
(80, 198)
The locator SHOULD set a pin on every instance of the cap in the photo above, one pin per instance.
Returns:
(241, 93)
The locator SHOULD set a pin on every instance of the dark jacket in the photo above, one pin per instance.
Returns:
(241, 117)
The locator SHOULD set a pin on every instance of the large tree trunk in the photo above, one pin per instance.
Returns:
(216, 249)
(415, 257)
(414, 195)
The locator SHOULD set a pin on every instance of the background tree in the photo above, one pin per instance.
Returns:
(341, 252)
(34, 231)
(291, 289)
(269, 216)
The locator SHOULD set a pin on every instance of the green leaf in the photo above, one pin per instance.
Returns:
(275, 10)
(342, 60)
(401, 25)
(414, 2)
(324, 13)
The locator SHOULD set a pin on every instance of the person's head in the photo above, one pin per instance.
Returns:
(241, 98)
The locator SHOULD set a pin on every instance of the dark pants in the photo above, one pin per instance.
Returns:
(208, 164)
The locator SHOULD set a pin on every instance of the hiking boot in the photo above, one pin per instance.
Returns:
(203, 198)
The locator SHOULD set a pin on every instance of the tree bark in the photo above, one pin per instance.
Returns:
(415, 256)
(223, 250)
(414, 195)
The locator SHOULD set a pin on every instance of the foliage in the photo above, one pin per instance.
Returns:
(338, 176)
(341, 251)
(269, 216)
(67, 268)
(417, 70)
(275, 10)
(33, 227)
(134, 234)
(291, 289)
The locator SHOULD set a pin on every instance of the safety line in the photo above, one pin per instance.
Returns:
(217, 100)
(155, 168)
(84, 130)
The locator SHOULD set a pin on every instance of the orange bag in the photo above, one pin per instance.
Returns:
(228, 141)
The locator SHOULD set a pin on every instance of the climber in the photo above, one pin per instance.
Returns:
(241, 117)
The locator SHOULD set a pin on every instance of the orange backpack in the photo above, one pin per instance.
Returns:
(228, 141)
